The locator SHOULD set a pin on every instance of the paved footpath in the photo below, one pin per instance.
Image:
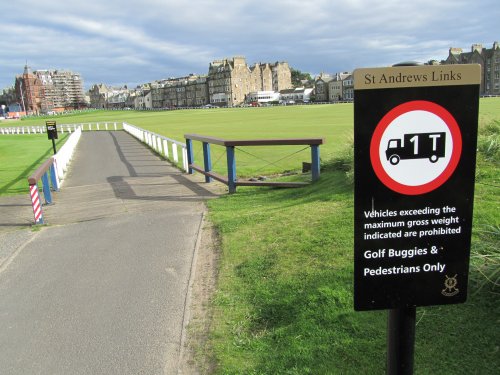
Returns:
(103, 288)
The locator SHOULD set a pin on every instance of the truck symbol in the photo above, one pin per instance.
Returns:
(416, 146)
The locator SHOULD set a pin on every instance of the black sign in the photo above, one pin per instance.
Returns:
(415, 132)
(51, 129)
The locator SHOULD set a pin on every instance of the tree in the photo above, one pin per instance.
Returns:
(298, 77)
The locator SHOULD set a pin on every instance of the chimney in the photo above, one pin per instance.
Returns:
(477, 47)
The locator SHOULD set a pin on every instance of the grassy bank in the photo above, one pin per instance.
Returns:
(284, 303)
(334, 122)
(284, 299)
(20, 156)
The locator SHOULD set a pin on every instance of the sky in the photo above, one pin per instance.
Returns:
(119, 42)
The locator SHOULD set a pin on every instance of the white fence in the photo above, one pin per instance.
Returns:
(62, 128)
(160, 144)
(65, 153)
(23, 130)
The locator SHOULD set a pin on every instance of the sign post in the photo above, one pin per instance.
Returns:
(52, 133)
(415, 134)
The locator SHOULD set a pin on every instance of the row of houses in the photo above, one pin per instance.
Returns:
(340, 86)
(334, 88)
(488, 58)
(229, 82)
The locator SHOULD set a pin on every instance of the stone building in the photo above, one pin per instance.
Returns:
(157, 94)
(489, 59)
(335, 87)
(143, 99)
(48, 90)
(321, 87)
(131, 98)
(174, 93)
(197, 92)
(260, 78)
(282, 76)
(231, 80)
(98, 96)
(28, 91)
(228, 81)
(67, 89)
(117, 100)
(348, 87)
(190, 91)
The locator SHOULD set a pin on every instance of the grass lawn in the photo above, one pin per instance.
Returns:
(20, 156)
(333, 122)
(284, 298)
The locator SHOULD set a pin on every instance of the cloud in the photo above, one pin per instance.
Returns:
(115, 41)
(132, 36)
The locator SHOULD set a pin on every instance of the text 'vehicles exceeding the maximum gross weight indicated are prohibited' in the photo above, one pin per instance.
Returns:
(411, 223)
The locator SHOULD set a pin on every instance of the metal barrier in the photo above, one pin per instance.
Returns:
(231, 180)
(160, 144)
(42, 173)
(56, 166)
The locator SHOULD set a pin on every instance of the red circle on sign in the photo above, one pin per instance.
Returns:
(416, 105)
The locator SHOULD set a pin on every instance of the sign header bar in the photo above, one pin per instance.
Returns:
(417, 76)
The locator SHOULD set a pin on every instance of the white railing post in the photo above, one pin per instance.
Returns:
(185, 159)
(165, 148)
(174, 152)
(159, 145)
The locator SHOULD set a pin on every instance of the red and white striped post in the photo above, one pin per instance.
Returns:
(36, 203)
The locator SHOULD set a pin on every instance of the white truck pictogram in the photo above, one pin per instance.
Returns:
(416, 146)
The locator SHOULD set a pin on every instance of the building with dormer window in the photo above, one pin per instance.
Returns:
(489, 59)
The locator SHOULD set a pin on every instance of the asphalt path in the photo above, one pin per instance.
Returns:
(103, 288)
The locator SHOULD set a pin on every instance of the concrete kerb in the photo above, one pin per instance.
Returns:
(187, 301)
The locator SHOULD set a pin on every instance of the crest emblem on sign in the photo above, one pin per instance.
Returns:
(450, 286)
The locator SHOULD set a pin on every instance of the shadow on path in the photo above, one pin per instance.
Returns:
(148, 166)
